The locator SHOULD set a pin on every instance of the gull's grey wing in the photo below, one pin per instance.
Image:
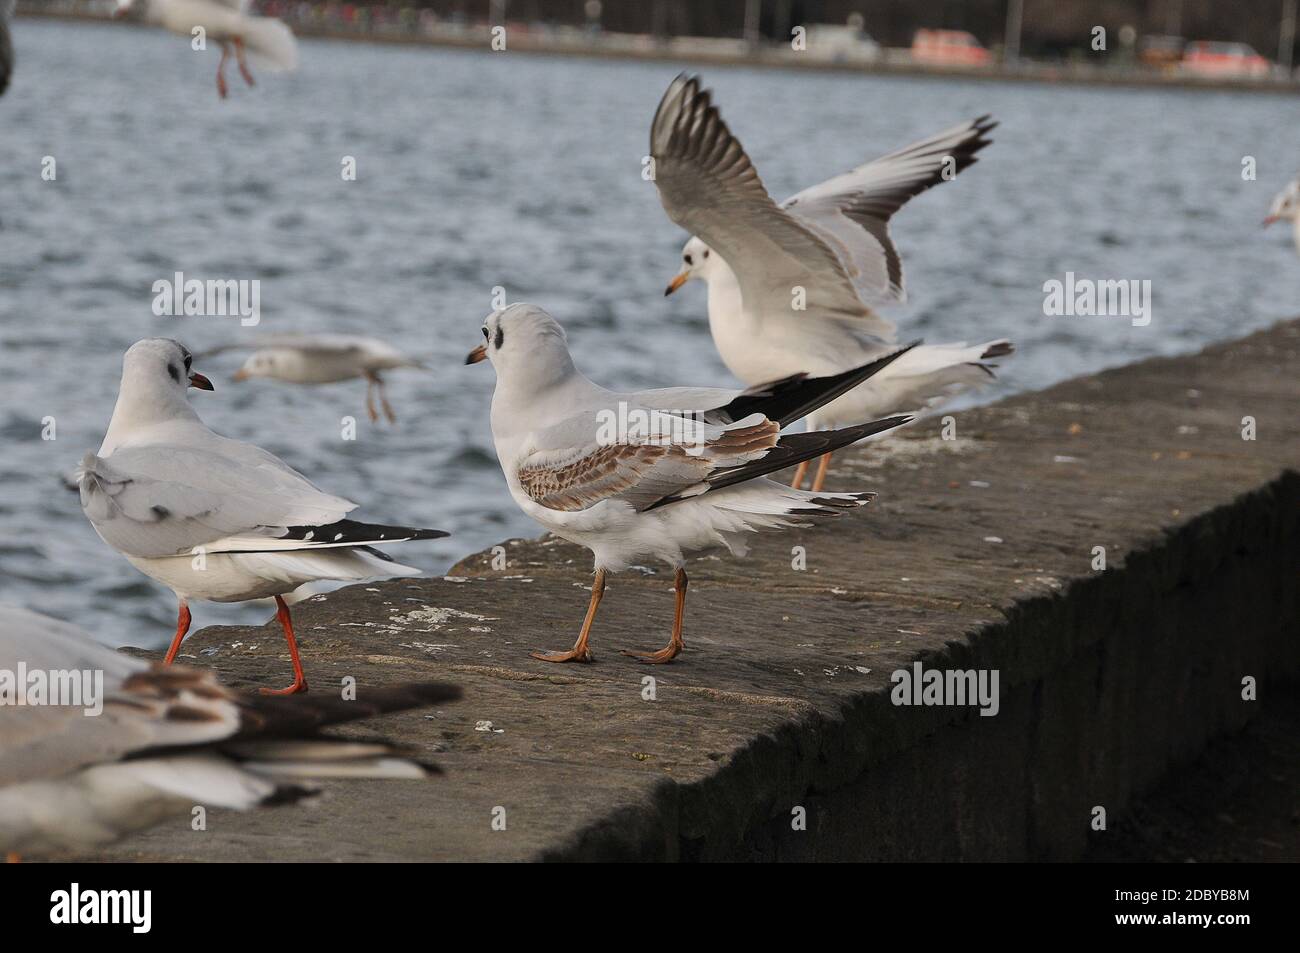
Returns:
(144, 706)
(167, 500)
(573, 466)
(709, 187)
(852, 211)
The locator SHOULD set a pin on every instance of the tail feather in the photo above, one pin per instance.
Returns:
(795, 397)
(274, 716)
(997, 349)
(789, 450)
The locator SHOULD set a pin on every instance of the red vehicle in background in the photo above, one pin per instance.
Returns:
(1210, 58)
(949, 48)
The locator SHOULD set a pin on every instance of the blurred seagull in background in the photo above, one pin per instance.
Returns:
(267, 40)
(324, 359)
(792, 287)
(656, 473)
(163, 740)
(1286, 207)
(213, 518)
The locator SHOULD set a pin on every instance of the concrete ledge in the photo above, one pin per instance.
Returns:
(978, 556)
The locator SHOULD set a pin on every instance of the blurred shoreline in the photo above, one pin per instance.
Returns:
(703, 51)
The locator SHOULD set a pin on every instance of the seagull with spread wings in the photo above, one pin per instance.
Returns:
(227, 22)
(793, 287)
(653, 474)
(162, 740)
(213, 518)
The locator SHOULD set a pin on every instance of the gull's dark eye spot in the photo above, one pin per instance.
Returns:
(485, 332)
(687, 259)
(706, 253)
(188, 362)
(501, 337)
(175, 374)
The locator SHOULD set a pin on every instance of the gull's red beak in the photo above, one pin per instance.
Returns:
(678, 280)
(1270, 220)
(476, 355)
(201, 382)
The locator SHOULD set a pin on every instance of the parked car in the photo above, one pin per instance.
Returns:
(949, 48)
(1211, 58)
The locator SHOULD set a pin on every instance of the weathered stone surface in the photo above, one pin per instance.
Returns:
(977, 554)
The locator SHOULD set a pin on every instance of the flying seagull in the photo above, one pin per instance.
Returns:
(228, 23)
(324, 359)
(794, 287)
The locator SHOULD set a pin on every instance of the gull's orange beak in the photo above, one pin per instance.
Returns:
(201, 382)
(479, 353)
(678, 280)
(239, 375)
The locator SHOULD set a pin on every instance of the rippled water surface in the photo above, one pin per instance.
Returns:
(484, 169)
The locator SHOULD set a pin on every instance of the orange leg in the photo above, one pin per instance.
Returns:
(221, 70)
(580, 652)
(182, 628)
(370, 398)
(799, 471)
(13, 857)
(823, 464)
(674, 647)
(243, 66)
(286, 623)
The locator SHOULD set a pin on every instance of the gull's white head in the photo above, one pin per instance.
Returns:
(1286, 205)
(156, 376)
(267, 363)
(698, 261)
(162, 368)
(525, 345)
(124, 7)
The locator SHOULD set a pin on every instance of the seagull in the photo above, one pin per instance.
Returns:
(652, 474)
(213, 518)
(324, 359)
(793, 287)
(163, 740)
(1286, 207)
(268, 40)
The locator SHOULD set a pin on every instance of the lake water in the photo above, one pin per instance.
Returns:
(477, 170)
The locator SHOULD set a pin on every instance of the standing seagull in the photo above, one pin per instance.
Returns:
(324, 359)
(161, 740)
(652, 474)
(1286, 207)
(269, 41)
(792, 287)
(213, 518)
